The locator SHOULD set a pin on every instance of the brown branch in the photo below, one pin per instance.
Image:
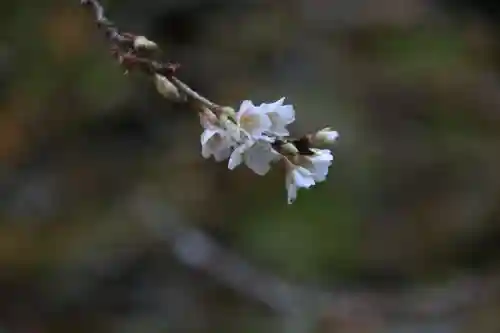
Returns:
(122, 46)
(195, 249)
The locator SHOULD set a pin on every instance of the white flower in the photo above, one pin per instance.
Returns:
(253, 146)
(257, 156)
(280, 115)
(308, 171)
(247, 137)
(233, 131)
(326, 136)
(215, 140)
(318, 163)
(297, 177)
(252, 120)
(237, 155)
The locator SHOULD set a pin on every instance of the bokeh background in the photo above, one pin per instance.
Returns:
(111, 221)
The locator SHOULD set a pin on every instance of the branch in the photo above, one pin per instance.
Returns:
(127, 47)
(255, 135)
(123, 46)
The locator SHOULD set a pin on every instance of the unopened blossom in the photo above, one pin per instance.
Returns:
(141, 42)
(325, 136)
(280, 116)
(166, 88)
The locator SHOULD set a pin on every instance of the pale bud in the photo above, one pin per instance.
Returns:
(325, 136)
(224, 118)
(228, 111)
(289, 149)
(207, 118)
(166, 88)
(141, 42)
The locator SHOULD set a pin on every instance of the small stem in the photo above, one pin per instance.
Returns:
(123, 47)
(193, 94)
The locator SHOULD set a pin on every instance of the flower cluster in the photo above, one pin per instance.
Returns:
(257, 136)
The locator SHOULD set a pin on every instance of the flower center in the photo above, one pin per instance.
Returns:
(249, 122)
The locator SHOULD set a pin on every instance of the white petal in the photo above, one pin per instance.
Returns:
(320, 162)
(259, 167)
(232, 131)
(206, 152)
(265, 123)
(278, 127)
(208, 149)
(247, 104)
(255, 123)
(259, 158)
(303, 177)
(244, 107)
(321, 155)
(222, 154)
(235, 159)
(287, 113)
(297, 177)
(320, 172)
(272, 106)
(280, 115)
(216, 143)
(250, 121)
(207, 135)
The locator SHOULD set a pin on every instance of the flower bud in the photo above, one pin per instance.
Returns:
(166, 88)
(228, 111)
(289, 148)
(207, 118)
(325, 136)
(141, 42)
(223, 118)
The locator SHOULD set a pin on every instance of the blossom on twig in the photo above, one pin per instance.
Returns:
(256, 136)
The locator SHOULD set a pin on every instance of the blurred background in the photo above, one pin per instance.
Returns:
(111, 221)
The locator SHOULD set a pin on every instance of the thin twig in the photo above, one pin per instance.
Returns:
(122, 46)
(195, 249)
